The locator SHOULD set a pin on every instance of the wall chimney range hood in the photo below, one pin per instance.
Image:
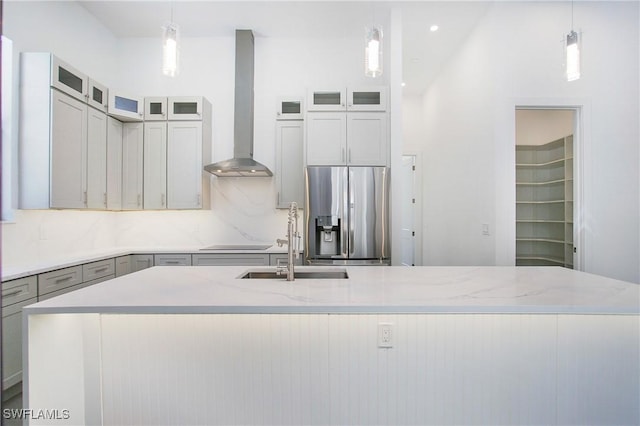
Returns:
(242, 163)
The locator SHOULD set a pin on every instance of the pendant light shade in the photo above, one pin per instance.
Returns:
(572, 49)
(373, 51)
(170, 49)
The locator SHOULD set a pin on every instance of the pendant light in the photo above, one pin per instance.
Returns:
(373, 51)
(170, 48)
(572, 51)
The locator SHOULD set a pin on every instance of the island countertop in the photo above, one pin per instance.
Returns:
(369, 289)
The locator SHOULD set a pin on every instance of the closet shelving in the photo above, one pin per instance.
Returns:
(544, 203)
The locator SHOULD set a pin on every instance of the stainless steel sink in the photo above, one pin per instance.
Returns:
(300, 274)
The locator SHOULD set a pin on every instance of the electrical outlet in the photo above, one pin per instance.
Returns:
(385, 335)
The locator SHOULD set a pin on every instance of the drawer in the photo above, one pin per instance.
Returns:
(99, 269)
(123, 265)
(15, 291)
(59, 279)
(231, 259)
(273, 258)
(74, 288)
(172, 260)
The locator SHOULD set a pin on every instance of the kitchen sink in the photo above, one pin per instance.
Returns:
(262, 274)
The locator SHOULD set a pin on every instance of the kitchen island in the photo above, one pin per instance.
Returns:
(388, 345)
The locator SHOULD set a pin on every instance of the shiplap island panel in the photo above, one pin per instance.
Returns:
(483, 345)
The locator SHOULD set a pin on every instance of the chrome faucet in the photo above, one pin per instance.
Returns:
(293, 237)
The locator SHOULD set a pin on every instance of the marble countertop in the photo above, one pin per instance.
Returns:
(18, 271)
(369, 289)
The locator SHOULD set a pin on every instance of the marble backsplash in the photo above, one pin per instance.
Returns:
(243, 212)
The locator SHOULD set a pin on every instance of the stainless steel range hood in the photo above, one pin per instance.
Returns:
(242, 163)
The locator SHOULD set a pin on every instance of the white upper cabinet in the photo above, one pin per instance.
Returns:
(185, 108)
(96, 159)
(367, 139)
(125, 107)
(155, 165)
(326, 143)
(327, 100)
(68, 152)
(66, 78)
(155, 109)
(98, 95)
(350, 99)
(184, 165)
(367, 99)
(289, 162)
(290, 109)
(114, 164)
(132, 165)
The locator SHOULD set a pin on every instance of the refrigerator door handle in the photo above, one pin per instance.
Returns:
(352, 216)
(344, 223)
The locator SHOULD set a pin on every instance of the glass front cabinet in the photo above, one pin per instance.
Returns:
(125, 107)
(184, 108)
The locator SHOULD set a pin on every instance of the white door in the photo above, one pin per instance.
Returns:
(407, 230)
(367, 139)
(184, 165)
(132, 151)
(96, 159)
(155, 165)
(68, 152)
(326, 138)
(114, 164)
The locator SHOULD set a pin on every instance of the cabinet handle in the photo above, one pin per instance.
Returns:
(61, 280)
(138, 200)
(101, 269)
(162, 200)
(105, 199)
(342, 156)
(199, 199)
(84, 198)
(13, 293)
(172, 262)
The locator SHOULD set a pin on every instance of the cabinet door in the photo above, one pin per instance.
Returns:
(155, 165)
(326, 100)
(172, 260)
(289, 163)
(184, 165)
(125, 107)
(114, 164)
(123, 265)
(367, 139)
(185, 108)
(68, 151)
(12, 343)
(290, 109)
(96, 159)
(68, 79)
(367, 99)
(326, 138)
(132, 149)
(155, 109)
(141, 261)
(229, 259)
(98, 95)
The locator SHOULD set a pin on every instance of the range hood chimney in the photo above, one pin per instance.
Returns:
(242, 163)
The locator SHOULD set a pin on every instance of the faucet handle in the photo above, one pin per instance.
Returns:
(280, 242)
(281, 266)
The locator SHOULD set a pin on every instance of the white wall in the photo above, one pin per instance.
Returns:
(513, 57)
(243, 209)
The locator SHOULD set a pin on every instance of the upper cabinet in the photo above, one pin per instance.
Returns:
(290, 109)
(185, 108)
(98, 95)
(155, 109)
(125, 107)
(347, 127)
(351, 99)
(63, 76)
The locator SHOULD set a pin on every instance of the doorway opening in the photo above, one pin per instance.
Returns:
(545, 187)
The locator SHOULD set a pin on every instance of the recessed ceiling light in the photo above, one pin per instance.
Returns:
(404, 84)
(433, 28)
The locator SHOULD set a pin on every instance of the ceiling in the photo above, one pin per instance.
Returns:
(424, 51)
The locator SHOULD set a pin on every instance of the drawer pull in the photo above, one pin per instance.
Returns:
(61, 280)
(104, 268)
(13, 293)
(172, 262)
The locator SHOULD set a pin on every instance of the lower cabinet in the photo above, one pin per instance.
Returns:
(12, 343)
(123, 265)
(228, 259)
(172, 260)
(141, 261)
(283, 257)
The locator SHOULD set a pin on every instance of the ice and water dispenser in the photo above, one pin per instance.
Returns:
(327, 236)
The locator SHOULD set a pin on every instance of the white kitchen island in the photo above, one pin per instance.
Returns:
(469, 345)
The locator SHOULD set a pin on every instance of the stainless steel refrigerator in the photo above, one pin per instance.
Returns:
(347, 216)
